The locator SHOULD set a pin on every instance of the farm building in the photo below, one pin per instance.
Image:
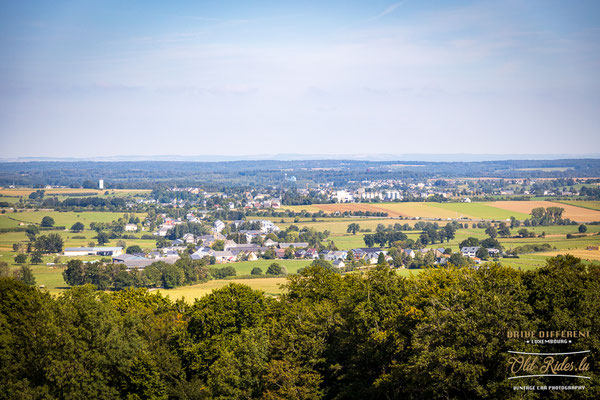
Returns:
(295, 245)
(93, 251)
(133, 261)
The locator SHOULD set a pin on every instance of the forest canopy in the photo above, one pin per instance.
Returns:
(441, 334)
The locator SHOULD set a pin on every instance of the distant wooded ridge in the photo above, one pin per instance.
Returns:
(138, 174)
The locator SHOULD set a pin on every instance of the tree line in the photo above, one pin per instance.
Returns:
(116, 276)
(442, 334)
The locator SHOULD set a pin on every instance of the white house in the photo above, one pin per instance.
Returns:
(223, 256)
(218, 226)
(339, 264)
(469, 251)
(164, 230)
(189, 238)
(131, 227)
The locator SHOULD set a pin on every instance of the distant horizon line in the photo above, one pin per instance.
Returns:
(428, 157)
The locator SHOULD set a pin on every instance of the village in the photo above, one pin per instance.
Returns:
(216, 248)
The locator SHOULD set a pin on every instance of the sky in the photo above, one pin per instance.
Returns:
(107, 78)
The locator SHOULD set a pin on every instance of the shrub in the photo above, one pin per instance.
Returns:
(256, 271)
(276, 269)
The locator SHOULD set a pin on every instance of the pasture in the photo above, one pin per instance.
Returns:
(66, 219)
(592, 205)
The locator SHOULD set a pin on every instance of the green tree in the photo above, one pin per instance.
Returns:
(276, 269)
(218, 245)
(75, 273)
(31, 231)
(491, 232)
(134, 249)
(52, 243)
(102, 238)
(469, 242)
(449, 232)
(503, 230)
(172, 276)
(269, 254)
(36, 257)
(77, 227)
(582, 228)
(123, 280)
(21, 258)
(350, 256)
(458, 260)
(288, 254)
(153, 275)
(25, 275)
(482, 253)
(47, 222)
(353, 228)
(323, 264)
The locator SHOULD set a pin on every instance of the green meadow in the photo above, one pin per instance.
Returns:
(591, 205)
(66, 219)
(480, 211)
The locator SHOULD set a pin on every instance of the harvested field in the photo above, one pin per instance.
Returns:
(190, 293)
(408, 210)
(578, 214)
(588, 255)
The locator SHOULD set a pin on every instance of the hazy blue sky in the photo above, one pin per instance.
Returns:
(83, 78)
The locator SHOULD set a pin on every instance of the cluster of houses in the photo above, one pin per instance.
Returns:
(380, 191)
(266, 226)
(268, 203)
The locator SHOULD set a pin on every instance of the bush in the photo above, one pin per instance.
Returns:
(220, 273)
(532, 248)
(574, 236)
(276, 269)
(256, 271)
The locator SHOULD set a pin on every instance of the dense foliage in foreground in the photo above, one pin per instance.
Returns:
(441, 334)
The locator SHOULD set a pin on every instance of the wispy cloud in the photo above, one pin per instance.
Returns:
(390, 9)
